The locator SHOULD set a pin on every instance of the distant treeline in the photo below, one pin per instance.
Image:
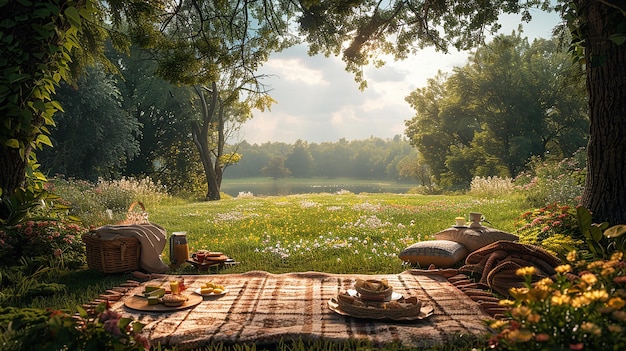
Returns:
(373, 158)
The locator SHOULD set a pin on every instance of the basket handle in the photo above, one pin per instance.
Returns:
(136, 218)
(135, 203)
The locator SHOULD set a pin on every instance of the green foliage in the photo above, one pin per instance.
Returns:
(107, 202)
(553, 227)
(49, 243)
(487, 119)
(95, 137)
(37, 43)
(276, 168)
(55, 330)
(554, 179)
(602, 240)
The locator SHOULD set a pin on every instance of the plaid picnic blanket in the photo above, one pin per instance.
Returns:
(264, 308)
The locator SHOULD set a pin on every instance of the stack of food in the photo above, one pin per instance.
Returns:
(374, 301)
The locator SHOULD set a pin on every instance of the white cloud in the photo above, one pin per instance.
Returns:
(319, 101)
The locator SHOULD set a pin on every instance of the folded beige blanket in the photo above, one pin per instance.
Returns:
(264, 308)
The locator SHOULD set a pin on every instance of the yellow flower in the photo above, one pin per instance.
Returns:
(616, 303)
(519, 335)
(564, 268)
(607, 271)
(591, 328)
(558, 300)
(519, 293)
(571, 256)
(498, 324)
(544, 284)
(506, 302)
(617, 256)
(526, 271)
(589, 278)
(580, 301)
(596, 295)
(521, 311)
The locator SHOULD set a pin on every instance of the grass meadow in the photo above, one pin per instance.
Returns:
(338, 232)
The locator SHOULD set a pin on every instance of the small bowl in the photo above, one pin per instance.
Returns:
(373, 290)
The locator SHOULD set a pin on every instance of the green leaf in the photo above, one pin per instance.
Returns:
(13, 143)
(618, 39)
(44, 139)
(73, 15)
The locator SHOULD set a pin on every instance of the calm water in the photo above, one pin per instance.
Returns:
(282, 188)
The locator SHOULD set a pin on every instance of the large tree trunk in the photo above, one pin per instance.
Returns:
(605, 188)
(201, 139)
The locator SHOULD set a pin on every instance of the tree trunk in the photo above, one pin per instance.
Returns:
(200, 134)
(605, 187)
(12, 170)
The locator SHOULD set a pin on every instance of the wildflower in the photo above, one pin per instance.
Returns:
(519, 293)
(526, 271)
(580, 301)
(521, 311)
(571, 256)
(596, 295)
(564, 268)
(558, 300)
(576, 347)
(591, 328)
(617, 256)
(589, 279)
(616, 303)
(498, 324)
(544, 284)
(507, 303)
(519, 335)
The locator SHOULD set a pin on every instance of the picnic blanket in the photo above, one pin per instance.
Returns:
(264, 308)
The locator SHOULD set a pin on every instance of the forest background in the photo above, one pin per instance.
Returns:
(512, 104)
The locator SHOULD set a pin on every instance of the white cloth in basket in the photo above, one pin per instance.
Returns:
(152, 238)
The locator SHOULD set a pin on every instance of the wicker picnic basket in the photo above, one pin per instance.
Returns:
(121, 254)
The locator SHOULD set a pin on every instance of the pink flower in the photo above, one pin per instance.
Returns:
(112, 327)
(58, 252)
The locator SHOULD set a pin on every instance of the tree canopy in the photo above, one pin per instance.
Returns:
(512, 101)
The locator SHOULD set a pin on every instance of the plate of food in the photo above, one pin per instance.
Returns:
(211, 289)
(394, 295)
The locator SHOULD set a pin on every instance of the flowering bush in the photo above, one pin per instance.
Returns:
(49, 242)
(583, 308)
(103, 329)
(554, 180)
(553, 227)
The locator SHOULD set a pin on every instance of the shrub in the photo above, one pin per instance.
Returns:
(583, 308)
(549, 181)
(106, 202)
(50, 243)
(491, 186)
(103, 329)
(553, 227)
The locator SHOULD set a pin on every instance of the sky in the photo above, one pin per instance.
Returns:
(318, 101)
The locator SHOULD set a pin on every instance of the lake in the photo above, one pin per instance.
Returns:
(270, 187)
